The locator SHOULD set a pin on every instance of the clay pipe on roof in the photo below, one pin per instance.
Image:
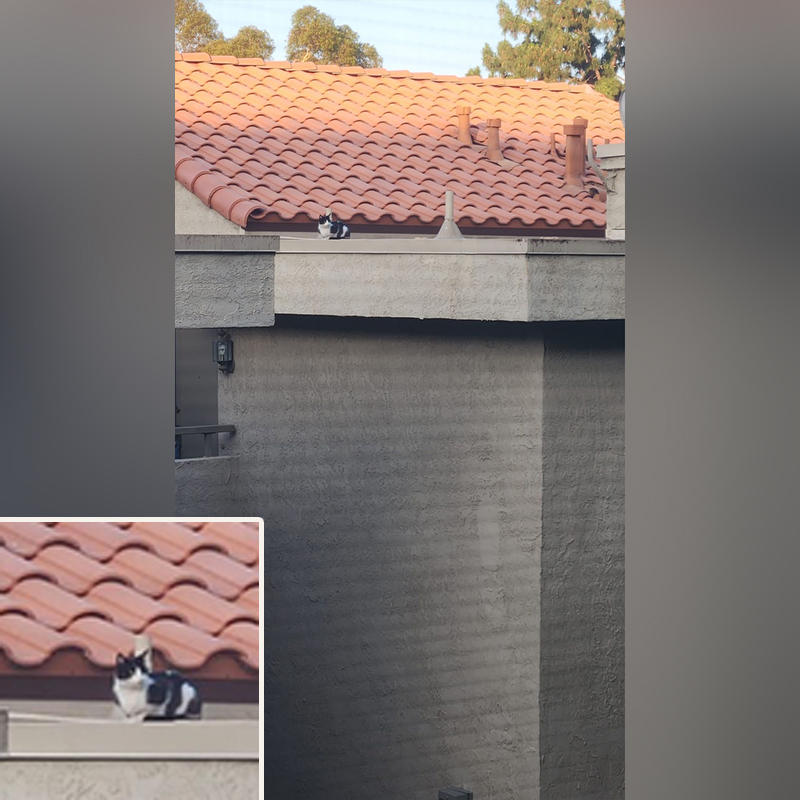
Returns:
(493, 152)
(576, 151)
(464, 136)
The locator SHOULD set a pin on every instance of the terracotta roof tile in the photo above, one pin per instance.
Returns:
(192, 647)
(223, 576)
(28, 642)
(152, 575)
(171, 540)
(46, 602)
(287, 127)
(127, 607)
(242, 636)
(71, 569)
(14, 568)
(89, 587)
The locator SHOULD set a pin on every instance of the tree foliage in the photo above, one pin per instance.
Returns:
(197, 31)
(576, 41)
(249, 42)
(316, 37)
(194, 26)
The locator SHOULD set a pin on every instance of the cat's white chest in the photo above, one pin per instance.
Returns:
(132, 699)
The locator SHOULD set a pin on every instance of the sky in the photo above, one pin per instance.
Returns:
(441, 36)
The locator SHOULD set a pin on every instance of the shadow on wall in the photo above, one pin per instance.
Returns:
(397, 467)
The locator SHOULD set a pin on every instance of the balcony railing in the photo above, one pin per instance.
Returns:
(206, 431)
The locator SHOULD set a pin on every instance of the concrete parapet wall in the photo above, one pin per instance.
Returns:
(507, 280)
(45, 757)
(43, 779)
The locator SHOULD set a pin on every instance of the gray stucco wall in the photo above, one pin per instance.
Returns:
(582, 644)
(208, 487)
(397, 467)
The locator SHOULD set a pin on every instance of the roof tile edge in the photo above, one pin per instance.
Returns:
(307, 66)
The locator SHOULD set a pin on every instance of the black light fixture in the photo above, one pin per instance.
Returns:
(222, 351)
(454, 794)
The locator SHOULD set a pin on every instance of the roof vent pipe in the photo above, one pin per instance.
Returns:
(142, 646)
(576, 151)
(464, 136)
(493, 140)
(449, 229)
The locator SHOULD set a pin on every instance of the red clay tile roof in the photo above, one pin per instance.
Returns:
(73, 595)
(278, 142)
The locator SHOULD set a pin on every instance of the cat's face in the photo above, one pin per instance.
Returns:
(130, 667)
(324, 220)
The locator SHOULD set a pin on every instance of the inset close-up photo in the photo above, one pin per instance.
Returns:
(130, 657)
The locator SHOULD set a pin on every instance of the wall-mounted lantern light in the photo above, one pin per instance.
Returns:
(222, 352)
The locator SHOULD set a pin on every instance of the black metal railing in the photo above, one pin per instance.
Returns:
(207, 432)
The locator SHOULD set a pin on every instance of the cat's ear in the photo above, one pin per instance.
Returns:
(121, 658)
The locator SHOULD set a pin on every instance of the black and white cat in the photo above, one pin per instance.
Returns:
(328, 229)
(142, 694)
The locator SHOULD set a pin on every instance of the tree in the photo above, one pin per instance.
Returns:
(197, 31)
(575, 41)
(194, 26)
(474, 71)
(316, 37)
(249, 42)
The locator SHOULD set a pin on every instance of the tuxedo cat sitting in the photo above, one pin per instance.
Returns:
(328, 229)
(146, 695)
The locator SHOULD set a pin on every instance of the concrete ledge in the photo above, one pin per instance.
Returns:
(95, 738)
(226, 243)
(489, 245)
(512, 280)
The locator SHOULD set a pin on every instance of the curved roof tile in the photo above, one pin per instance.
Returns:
(89, 587)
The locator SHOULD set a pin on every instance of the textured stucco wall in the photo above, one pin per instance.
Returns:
(582, 644)
(578, 287)
(222, 290)
(397, 467)
(128, 780)
(208, 487)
